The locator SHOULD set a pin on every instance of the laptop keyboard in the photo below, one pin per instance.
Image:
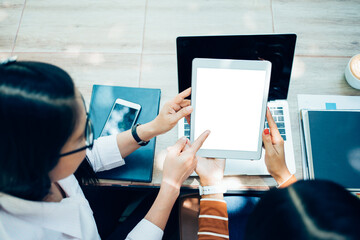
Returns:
(276, 112)
(186, 129)
(278, 115)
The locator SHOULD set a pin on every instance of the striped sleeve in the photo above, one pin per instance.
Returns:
(213, 220)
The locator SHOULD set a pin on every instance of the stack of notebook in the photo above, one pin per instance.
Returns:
(332, 143)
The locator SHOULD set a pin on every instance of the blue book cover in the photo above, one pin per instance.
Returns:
(138, 165)
(335, 146)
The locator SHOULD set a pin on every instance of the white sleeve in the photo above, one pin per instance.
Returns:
(105, 154)
(145, 230)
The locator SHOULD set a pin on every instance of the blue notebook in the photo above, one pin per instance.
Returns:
(139, 164)
(334, 153)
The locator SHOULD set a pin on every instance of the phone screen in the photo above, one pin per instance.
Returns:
(121, 119)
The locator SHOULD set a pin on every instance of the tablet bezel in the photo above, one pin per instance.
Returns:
(230, 64)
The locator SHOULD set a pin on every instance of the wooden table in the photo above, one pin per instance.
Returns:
(132, 43)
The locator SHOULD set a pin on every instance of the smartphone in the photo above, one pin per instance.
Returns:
(122, 117)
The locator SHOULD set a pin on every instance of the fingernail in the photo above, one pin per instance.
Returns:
(266, 131)
(189, 108)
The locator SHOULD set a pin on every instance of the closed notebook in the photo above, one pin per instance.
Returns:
(138, 165)
(333, 146)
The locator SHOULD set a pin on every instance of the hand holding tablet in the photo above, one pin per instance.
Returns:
(229, 98)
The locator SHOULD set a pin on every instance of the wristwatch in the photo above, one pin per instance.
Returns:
(136, 136)
(206, 190)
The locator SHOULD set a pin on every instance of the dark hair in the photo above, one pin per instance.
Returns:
(306, 210)
(85, 173)
(38, 114)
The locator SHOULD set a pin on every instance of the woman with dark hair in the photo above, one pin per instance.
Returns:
(45, 136)
(315, 210)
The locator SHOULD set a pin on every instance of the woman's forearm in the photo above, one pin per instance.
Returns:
(163, 204)
(127, 143)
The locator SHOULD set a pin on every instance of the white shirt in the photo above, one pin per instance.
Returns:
(72, 217)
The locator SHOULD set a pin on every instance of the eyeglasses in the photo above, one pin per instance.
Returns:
(89, 139)
(89, 136)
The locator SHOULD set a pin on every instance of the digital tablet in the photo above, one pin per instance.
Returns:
(229, 97)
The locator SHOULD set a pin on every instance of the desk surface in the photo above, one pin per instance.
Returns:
(134, 45)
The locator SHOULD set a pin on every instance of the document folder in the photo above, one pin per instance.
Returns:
(333, 146)
(138, 165)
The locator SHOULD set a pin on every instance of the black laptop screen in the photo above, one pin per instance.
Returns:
(277, 48)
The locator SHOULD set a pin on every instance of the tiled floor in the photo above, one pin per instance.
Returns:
(132, 43)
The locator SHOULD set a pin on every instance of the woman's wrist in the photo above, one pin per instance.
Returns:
(147, 131)
(282, 176)
(209, 182)
(169, 190)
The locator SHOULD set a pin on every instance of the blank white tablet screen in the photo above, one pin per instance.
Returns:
(229, 104)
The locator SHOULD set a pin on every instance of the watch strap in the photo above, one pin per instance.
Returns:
(206, 190)
(136, 136)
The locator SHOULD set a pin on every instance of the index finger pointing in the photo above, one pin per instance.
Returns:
(199, 141)
(180, 97)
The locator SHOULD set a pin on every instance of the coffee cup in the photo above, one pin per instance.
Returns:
(352, 72)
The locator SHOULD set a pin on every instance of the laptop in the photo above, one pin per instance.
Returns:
(279, 49)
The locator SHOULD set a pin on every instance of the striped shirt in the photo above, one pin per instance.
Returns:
(213, 218)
